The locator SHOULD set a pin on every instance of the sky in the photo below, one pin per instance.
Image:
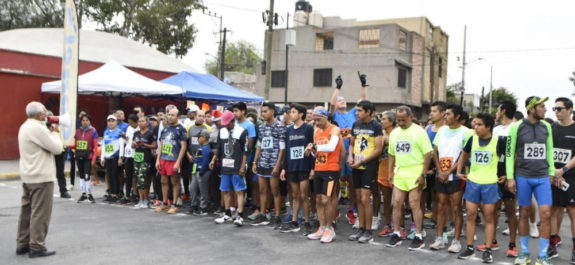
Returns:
(530, 44)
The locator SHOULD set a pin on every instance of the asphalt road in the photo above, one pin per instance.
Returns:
(112, 234)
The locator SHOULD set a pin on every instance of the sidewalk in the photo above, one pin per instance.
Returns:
(10, 170)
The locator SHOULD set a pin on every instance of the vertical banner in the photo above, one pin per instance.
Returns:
(69, 93)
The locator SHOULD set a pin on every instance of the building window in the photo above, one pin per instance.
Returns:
(440, 66)
(322, 77)
(403, 75)
(369, 38)
(403, 40)
(278, 78)
(324, 41)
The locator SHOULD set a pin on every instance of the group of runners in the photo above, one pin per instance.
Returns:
(252, 164)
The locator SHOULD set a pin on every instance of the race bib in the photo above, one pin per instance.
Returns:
(109, 148)
(482, 157)
(445, 163)
(228, 162)
(267, 142)
(534, 151)
(81, 145)
(167, 148)
(561, 155)
(297, 152)
(403, 147)
(194, 140)
(138, 157)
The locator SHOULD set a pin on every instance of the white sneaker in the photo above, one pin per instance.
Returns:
(505, 232)
(455, 246)
(451, 233)
(139, 205)
(223, 219)
(533, 230)
(374, 223)
(239, 221)
(437, 244)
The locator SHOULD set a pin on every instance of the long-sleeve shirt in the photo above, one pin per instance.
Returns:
(37, 146)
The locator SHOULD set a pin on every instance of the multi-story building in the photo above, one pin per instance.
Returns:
(404, 64)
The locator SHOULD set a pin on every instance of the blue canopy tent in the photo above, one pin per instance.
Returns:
(206, 86)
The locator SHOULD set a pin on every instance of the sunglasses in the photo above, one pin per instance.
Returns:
(558, 108)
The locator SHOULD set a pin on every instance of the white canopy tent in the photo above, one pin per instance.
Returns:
(115, 79)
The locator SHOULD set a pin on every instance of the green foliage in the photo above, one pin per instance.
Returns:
(30, 14)
(499, 95)
(454, 93)
(162, 24)
(241, 56)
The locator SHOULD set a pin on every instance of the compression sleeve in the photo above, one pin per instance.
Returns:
(549, 148)
(510, 151)
(329, 147)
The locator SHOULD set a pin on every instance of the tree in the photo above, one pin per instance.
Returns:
(30, 14)
(454, 93)
(499, 95)
(162, 24)
(241, 56)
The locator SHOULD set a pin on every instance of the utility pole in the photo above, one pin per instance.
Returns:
(286, 71)
(220, 34)
(223, 55)
(268, 50)
(490, 89)
(463, 67)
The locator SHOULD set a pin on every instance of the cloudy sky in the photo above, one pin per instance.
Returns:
(530, 44)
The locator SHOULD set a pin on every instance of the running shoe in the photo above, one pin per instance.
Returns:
(483, 247)
(317, 235)
(290, 227)
(394, 241)
(173, 209)
(356, 224)
(350, 217)
(91, 198)
(366, 237)
(82, 198)
(203, 212)
(552, 252)
(411, 235)
(356, 236)
(416, 243)
(239, 221)
(437, 244)
(487, 257)
(468, 253)
(455, 246)
(512, 252)
(277, 222)
(387, 231)
(223, 219)
(261, 220)
(543, 261)
(428, 215)
(306, 229)
(328, 236)
(402, 233)
(505, 232)
(523, 259)
(161, 208)
(254, 215)
(444, 238)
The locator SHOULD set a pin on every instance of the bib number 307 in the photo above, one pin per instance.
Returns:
(534, 151)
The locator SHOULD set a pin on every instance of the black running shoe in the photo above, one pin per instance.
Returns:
(290, 227)
(82, 198)
(487, 257)
(91, 198)
(468, 253)
(307, 229)
(394, 241)
(416, 243)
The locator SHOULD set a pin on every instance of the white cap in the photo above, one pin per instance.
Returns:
(193, 108)
(112, 117)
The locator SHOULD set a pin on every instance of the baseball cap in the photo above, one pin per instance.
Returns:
(112, 117)
(227, 117)
(319, 112)
(533, 101)
(153, 117)
(216, 115)
(193, 108)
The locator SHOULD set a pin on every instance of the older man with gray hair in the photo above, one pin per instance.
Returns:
(37, 145)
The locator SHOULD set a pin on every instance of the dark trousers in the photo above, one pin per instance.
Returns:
(113, 174)
(72, 166)
(84, 168)
(60, 159)
(35, 214)
(129, 167)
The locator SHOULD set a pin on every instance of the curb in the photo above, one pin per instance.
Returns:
(16, 175)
